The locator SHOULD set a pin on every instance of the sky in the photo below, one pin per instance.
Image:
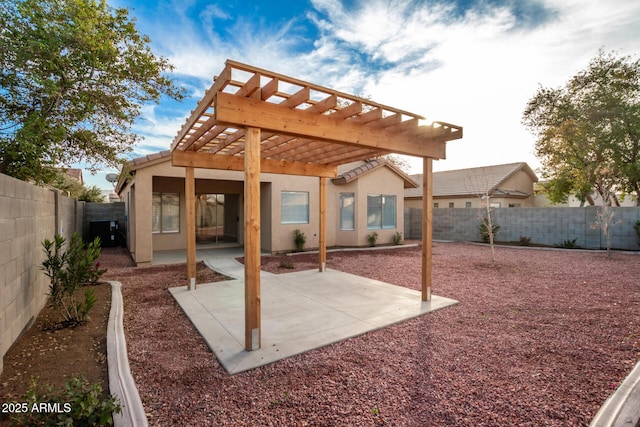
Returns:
(473, 63)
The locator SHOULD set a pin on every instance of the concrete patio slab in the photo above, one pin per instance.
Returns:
(301, 311)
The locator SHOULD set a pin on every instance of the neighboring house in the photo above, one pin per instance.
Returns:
(75, 174)
(366, 196)
(508, 185)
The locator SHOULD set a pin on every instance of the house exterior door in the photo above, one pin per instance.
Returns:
(210, 218)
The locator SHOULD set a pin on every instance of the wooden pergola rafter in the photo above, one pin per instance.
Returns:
(256, 121)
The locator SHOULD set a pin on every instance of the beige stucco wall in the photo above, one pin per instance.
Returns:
(275, 236)
(383, 181)
(283, 234)
(476, 202)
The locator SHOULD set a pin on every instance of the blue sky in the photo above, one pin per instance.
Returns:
(471, 63)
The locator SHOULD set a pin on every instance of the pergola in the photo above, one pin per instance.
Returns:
(254, 120)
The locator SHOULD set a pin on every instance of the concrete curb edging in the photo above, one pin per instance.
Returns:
(622, 408)
(121, 383)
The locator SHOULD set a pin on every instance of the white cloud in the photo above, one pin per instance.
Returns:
(478, 71)
(476, 68)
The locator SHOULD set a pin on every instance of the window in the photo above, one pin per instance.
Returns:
(295, 207)
(514, 205)
(347, 211)
(165, 213)
(381, 211)
(435, 205)
(450, 204)
(494, 204)
(467, 204)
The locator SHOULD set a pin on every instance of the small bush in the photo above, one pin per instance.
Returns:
(484, 230)
(568, 244)
(372, 238)
(637, 228)
(67, 271)
(525, 240)
(397, 238)
(299, 239)
(286, 264)
(79, 404)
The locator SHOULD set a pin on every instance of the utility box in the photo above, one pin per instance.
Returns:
(106, 230)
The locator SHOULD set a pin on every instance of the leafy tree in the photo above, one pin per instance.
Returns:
(588, 132)
(73, 188)
(92, 195)
(73, 77)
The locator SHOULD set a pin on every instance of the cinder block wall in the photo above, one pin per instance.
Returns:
(28, 215)
(547, 226)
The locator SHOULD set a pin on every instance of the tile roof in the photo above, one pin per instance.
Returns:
(370, 165)
(141, 161)
(474, 181)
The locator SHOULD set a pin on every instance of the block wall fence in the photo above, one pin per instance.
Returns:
(28, 215)
(546, 226)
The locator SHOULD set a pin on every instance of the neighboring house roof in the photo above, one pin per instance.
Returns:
(74, 173)
(474, 181)
(369, 166)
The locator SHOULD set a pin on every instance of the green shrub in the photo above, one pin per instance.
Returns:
(525, 240)
(568, 244)
(397, 238)
(69, 270)
(484, 230)
(299, 239)
(286, 264)
(372, 238)
(79, 404)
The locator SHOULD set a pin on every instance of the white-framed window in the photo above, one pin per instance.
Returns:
(381, 211)
(294, 207)
(165, 213)
(347, 211)
(467, 204)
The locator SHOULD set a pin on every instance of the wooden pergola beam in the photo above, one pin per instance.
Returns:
(236, 163)
(241, 111)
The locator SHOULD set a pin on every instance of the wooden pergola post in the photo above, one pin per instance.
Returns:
(190, 193)
(322, 241)
(252, 239)
(427, 226)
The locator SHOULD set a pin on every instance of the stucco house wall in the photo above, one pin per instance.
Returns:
(156, 174)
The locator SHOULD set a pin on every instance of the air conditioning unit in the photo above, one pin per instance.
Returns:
(106, 230)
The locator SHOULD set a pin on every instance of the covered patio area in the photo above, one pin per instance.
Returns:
(301, 311)
(257, 121)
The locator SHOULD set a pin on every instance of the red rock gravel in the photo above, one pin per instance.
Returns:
(540, 339)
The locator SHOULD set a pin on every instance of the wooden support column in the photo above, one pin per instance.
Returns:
(322, 241)
(252, 239)
(427, 226)
(190, 201)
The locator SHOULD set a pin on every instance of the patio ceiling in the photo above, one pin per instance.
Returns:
(306, 129)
